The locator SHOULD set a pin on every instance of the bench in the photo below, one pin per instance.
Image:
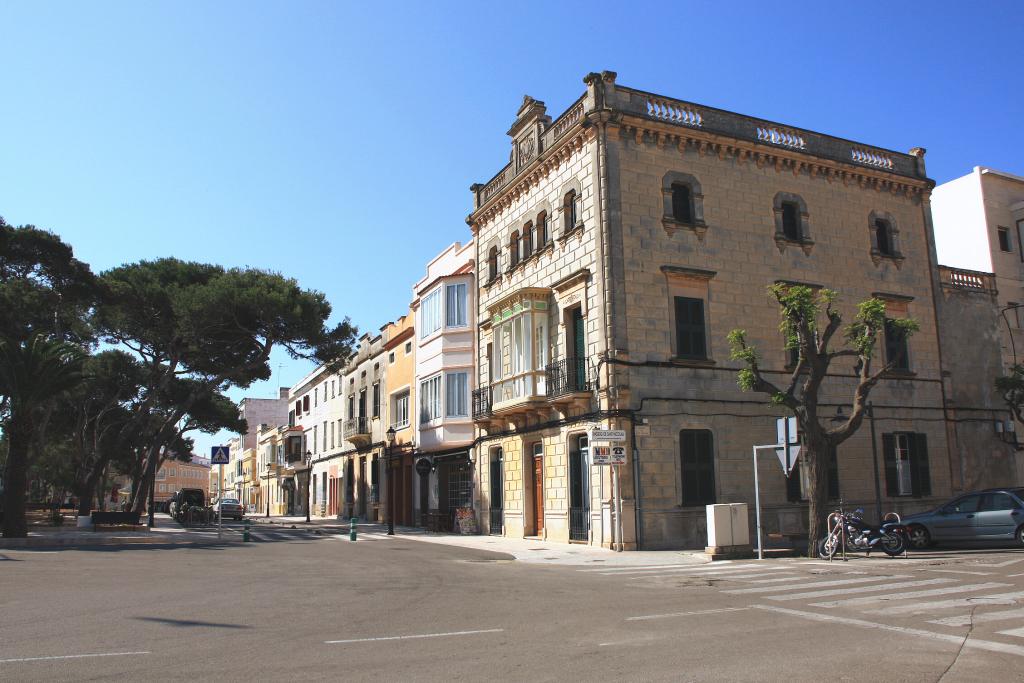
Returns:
(131, 518)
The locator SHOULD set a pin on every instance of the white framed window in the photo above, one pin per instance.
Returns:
(456, 394)
(430, 399)
(400, 410)
(430, 314)
(455, 305)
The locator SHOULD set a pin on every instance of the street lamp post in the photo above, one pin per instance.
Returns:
(390, 436)
(309, 479)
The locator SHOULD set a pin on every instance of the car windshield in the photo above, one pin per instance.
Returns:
(231, 501)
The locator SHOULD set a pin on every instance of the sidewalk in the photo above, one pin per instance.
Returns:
(523, 550)
(166, 532)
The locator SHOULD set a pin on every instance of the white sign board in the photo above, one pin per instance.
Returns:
(794, 454)
(780, 429)
(608, 455)
(608, 435)
(220, 455)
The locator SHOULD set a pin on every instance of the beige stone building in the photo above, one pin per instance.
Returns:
(619, 246)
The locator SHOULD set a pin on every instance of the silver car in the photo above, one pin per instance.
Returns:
(990, 515)
(230, 507)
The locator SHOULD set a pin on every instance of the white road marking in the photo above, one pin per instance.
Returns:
(1010, 576)
(421, 635)
(743, 576)
(959, 641)
(998, 599)
(45, 659)
(1007, 563)
(954, 571)
(856, 602)
(859, 589)
(721, 573)
(775, 580)
(965, 619)
(1015, 632)
(814, 584)
(658, 566)
(703, 569)
(687, 614)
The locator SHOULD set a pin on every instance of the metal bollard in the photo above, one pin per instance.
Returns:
(245, 532)
(352, 528)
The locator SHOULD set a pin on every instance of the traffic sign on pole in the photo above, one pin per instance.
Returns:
(608, 435)
(788, 463)
(220, 455)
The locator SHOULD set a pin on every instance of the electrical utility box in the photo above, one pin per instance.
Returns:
(728, 530)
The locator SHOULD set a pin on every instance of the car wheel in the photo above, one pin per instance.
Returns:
(1020, 535)
(919, 538)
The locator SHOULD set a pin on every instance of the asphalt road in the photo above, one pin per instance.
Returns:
(297, 606)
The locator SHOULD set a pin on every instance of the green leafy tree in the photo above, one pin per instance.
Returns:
(809, 321)
(214, 326)
(33, 374)
(1011, 386)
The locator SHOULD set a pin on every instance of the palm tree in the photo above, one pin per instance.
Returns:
(32, 374)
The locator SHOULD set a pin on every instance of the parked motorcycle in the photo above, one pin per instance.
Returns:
(849, 528)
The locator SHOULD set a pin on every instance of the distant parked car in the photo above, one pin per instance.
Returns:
(989, 515)
(182, 497)
(230, 507)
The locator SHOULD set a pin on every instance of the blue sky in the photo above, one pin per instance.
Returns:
(335, 142)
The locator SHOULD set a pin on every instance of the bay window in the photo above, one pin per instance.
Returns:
(430, 313)
(430, 399)
(456, 398)
(521, 352)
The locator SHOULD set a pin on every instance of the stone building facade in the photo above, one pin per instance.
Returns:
(664, 224)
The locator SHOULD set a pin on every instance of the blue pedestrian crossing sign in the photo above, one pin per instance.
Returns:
(220, 455)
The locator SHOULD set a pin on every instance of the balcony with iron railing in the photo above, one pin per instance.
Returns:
(568, 378)
(357, 430)
(482, 403)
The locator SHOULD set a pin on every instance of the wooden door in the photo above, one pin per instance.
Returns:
(538, 493)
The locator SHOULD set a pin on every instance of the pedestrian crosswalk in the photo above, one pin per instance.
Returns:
(367, 536)
(939, 605)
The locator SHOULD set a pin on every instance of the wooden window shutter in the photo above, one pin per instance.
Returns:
(920, 477)
(892, 486)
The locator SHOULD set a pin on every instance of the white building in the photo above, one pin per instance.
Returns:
(445, 333)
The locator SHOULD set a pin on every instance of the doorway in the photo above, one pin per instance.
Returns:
(579, 489)
(537, 464)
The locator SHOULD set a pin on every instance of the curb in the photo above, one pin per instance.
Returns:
(12, 543)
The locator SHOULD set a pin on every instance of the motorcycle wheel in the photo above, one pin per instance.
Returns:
(828, 546)
(893, 544)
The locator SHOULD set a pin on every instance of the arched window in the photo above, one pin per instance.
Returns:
(542, 229)
(492, 264)
(792, 221)
(527, 240)
(682, 203)
(883, 237)
(513, 250)
(571, 210)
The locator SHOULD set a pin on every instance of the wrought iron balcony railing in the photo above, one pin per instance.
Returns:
(482, 402)
(568, 376)
(357, 426)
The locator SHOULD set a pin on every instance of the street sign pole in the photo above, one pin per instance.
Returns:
(757, 509)
(618, 510)
(220, 502)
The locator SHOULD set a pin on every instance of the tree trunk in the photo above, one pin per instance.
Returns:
(86, 492)
(16, 480)
(815, 453)
(141, 491)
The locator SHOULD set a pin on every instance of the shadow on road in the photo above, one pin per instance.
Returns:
(189, 623)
